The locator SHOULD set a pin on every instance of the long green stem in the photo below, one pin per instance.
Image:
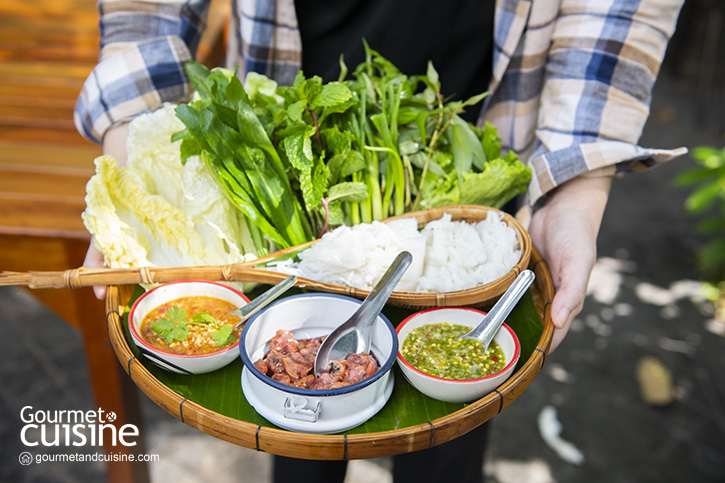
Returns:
(437, 132)
(373, 179)
(355, 205)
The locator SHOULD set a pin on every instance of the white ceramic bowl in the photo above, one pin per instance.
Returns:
(308, 410)
(453, 390)
(183, 364)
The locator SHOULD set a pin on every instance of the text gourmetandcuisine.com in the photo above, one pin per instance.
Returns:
(95, 457)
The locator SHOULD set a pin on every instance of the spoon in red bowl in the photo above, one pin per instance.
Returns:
(486, 330)
(246, 311)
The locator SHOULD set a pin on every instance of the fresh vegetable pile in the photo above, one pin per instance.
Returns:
(246, 169)
(297, 160)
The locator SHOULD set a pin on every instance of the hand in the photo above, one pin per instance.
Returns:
(114, 144)
(565, 231)
(94, 259)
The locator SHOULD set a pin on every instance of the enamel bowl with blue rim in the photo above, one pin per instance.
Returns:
(322, 411)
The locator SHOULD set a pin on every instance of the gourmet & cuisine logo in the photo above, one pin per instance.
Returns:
(74, 428)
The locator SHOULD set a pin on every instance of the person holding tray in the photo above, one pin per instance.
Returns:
(570, 86)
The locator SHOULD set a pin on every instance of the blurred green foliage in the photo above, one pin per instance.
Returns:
(707, 201)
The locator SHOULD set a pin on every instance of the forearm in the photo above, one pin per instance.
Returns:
(114, 142)
(583, 195)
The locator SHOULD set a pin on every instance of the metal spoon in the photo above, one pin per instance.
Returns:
(246, 311)
(353, 336)
(486, 330)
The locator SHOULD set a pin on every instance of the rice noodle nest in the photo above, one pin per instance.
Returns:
(447, 255)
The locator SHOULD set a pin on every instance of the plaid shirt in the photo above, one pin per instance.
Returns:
(570, 90)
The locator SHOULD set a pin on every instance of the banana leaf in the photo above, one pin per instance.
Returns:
(221, 391)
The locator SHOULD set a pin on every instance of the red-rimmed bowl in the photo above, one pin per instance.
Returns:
(183, 364)
(456, 390)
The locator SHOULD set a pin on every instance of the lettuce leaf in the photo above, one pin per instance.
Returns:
(119, 195)
(499, 180)
(121, 244)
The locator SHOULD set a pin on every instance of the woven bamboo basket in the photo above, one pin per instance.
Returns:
(337, 446)
(256, 271)
(481, 296)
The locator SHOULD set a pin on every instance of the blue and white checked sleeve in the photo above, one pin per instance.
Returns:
(601, 67)
(144, 45)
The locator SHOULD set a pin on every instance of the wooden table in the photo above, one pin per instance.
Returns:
(47, 48)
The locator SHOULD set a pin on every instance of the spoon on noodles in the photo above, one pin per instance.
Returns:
(353, 336)
(246, 311)
(486, 330)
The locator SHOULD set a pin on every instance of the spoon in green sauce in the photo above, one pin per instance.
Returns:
(486, 330)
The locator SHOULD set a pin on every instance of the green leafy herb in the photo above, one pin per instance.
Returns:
(223, 335)
(203, 318)
(707, 202)
(297, 160)
(171, 328)
(224, 129)
(175, 326)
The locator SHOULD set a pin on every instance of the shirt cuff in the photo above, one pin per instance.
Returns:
(604, 158)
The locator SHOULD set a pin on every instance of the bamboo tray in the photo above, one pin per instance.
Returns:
(359, 443)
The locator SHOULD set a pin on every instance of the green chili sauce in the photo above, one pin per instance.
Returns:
(436, 349)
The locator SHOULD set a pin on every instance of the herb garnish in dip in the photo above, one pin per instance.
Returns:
(436, 349)
(191, 325)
